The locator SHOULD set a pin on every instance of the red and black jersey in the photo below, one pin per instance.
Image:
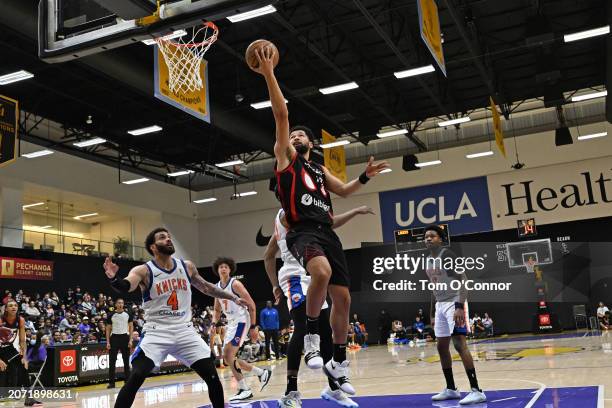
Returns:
(301, 188)
(14, 326)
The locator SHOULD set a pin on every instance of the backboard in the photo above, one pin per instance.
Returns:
(70, 29)
(538, 252)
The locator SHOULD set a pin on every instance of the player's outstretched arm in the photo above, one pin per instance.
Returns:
(208, 288)
(283, 150)
(270, 265)
(341, 219)
(335, 185)
(130, 282)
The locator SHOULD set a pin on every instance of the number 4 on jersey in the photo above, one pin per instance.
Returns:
(173, 301)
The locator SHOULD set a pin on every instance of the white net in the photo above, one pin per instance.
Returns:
(183, 56)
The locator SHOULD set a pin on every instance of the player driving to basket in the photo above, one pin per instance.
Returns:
(304, 188)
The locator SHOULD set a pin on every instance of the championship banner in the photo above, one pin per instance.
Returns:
(9, 120)
(31, 269)
(497, 127)
(195, 103)
(335, 158)
(429, 24)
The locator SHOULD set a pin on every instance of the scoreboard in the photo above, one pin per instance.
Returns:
(527, 228)
(413, 239)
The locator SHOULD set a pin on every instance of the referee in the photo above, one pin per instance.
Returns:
(119, 326)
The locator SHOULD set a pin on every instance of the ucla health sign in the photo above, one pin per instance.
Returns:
(463, 205)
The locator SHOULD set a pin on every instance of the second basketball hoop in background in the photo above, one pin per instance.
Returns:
(251, 57)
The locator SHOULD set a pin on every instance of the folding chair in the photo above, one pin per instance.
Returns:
(36, 376)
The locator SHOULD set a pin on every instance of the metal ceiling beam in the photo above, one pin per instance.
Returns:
(321, 55)
(476, 53)
(343, 35)
(408, 64)
(291, 93)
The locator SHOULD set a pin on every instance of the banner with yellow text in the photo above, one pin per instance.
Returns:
(429, 23)
(31, 269)
(335, 159)
(9, 121)
(497, 127)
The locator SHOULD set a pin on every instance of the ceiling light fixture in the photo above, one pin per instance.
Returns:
(230, 163)
(136, 181)
(581, 35)
(14, 77)
(90, 142)
(262, 11)
(586, 97)
(414, 72)
(454, 121)
(39, 153)
(392, 133)
(481, 154)
(339, 88)
(180, 173)
(334, 144)
(145, 130)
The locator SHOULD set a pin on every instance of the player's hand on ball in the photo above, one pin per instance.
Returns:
(278, 295)
(364, 209)
(459, 318)
(110, 268)
(265, 57)
(372, 169)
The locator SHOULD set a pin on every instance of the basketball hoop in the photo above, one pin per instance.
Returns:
(184, 57)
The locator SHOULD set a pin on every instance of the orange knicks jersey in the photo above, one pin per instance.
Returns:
(167, 300)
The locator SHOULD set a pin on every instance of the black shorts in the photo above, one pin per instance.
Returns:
(309, 240)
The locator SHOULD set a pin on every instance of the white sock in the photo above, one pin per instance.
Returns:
(242, 385)
(257, 371)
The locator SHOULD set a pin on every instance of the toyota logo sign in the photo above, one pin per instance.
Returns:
(67, 361)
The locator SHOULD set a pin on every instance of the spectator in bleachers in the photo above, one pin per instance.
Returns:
(7, 296)
(37, 353)
(56, 338)
(31, 310)
(84, 327)
(487, 322)
(77, 293)
(67, 322)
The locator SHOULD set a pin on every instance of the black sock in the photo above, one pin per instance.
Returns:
(291, 384)
(471, 373)
(339, 352)
(312, 325)
(450, 381)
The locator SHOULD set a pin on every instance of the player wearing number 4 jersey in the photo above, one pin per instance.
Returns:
(165, 283)
(240, 322)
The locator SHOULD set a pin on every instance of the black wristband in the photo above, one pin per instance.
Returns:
(458, 305)
(253, 326)
(120, 285)
(363, 178)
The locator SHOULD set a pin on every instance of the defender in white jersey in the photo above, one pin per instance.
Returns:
(450, 317)
(240, 322)
(293, 281)
(165, 283)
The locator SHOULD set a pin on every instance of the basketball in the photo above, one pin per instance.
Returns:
(251, 56)
(6, 334)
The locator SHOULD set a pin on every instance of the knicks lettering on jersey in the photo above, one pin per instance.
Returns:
(169, 285)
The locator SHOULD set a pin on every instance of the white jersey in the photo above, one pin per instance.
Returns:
(167, 301)
(292, 277)
(234, 312)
